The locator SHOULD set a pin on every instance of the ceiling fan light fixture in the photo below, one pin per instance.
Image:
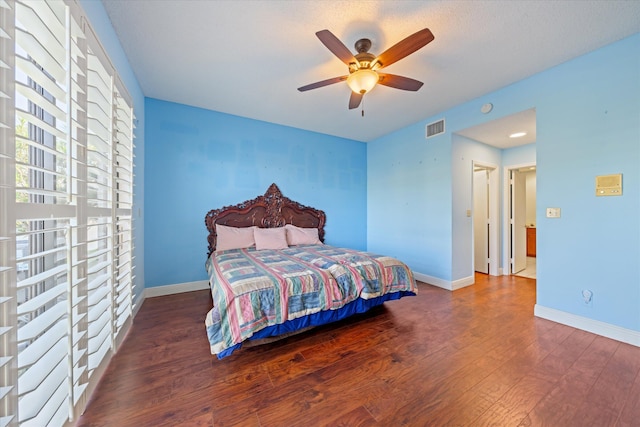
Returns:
(362, 81)
(363, 66)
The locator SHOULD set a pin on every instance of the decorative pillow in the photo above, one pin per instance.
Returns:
(234, 237)
(270, 238)
(302, 236)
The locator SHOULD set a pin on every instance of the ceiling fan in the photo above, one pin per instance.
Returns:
(363, 66)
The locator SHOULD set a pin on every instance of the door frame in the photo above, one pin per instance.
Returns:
(494, 211)
(506, 215)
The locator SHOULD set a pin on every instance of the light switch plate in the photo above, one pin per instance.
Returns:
(553, 212)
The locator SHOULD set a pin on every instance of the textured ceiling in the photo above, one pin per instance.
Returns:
(498, 132)
(248, 58)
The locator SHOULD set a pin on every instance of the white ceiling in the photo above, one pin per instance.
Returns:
(248, 58)
(498, 132)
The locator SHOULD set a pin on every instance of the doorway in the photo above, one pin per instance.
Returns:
(509, 142)
(485, 219)
(522, 220)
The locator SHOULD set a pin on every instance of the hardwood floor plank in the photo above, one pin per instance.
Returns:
(516, 403)
(609, 394)
(327, 353)
(473, 388)
(440, 388)
(560, 406)
(631, 412)
(475, 356)
(359, 417)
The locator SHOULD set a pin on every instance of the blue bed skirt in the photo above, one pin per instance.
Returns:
(320, 318)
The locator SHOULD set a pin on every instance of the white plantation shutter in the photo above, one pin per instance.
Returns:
(43, 212)
(78, 231)
(129, 166)
(8, 316)
(66, 188)
(99, 210)
(123, 244)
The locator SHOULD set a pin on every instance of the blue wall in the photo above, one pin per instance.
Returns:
(588, 124)
(409, 200)
(101, 24)
(198, 160)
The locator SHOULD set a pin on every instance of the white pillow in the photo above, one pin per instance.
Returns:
(234, 237)
(302, 236)
(270, 238)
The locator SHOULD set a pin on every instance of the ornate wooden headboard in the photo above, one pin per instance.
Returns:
(268, 211)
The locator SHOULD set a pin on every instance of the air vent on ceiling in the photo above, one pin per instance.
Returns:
(435, 128)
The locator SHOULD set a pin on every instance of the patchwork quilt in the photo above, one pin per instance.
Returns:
(254, 289)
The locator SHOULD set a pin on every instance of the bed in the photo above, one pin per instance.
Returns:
(271, 275)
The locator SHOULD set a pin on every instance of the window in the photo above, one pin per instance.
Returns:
(66, 191)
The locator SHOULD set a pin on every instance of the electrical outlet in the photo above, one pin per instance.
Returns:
(553, 212)
(587, 296)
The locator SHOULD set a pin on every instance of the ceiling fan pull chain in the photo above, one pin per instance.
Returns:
(363, 106)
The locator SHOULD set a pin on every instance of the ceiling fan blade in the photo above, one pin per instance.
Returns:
(354, 100)
(336, 46)
(399, 82)
(404, 48)
(322, 83)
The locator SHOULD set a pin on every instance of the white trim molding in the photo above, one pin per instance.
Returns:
(597, 327)
(158, 291)
(445, 284)
(137, 304)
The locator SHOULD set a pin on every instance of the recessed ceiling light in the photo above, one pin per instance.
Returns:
(517, 134)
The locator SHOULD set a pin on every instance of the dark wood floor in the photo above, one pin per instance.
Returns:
(473, 357)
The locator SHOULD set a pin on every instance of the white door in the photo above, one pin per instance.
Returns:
(518, 219)
(481, 220)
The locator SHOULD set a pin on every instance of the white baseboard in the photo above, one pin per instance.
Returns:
(594, 326)
(158, 291)
(461, 283)
(445, 284)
